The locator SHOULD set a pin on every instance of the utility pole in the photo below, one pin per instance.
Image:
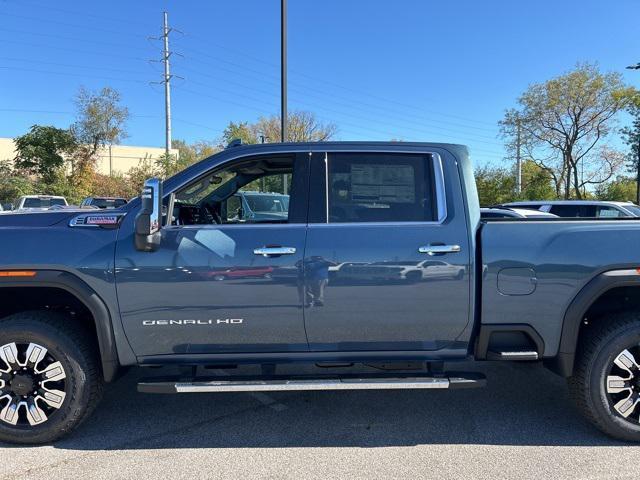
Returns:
(167, 86)
(518, 158)
(166, 78)
(283, 73)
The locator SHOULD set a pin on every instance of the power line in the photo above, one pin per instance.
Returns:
(74, 50)
(68, 74)
(92, 27)
(314, 78)
(84, 14)
(67, 65)
(383, 109)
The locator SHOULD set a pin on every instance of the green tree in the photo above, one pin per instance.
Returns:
(41, 151)
(137, 175)
(242, 130)
(188, 154)
(537, 183)
(101, 119)
(622, 189)
(13, 184)
(631, 136)
(495, 185)
(561, 121)
(303, 127)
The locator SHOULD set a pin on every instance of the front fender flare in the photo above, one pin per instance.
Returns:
(90, 299)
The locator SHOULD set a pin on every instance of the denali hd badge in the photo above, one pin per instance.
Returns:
(210, 321)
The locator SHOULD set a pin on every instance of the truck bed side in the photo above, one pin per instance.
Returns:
(533, 270)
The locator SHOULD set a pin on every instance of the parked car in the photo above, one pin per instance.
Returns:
(512, 212)
(86, 294)
(581, 208)
(250, 205)
(36, 203)
(103, 202)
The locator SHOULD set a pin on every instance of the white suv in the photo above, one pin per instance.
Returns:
(581, 208)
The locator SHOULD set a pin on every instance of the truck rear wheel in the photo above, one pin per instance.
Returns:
(49, 377)
(606, 380)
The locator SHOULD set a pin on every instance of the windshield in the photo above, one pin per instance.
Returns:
(268, 203)
(635, 209)
(42, 202)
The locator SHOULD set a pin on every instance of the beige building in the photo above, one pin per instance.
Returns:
(117, 158)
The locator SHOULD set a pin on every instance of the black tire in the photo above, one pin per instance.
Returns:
(77, 352)
(598, 348)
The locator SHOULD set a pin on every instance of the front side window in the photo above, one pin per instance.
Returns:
(370, 187)
(251, 191)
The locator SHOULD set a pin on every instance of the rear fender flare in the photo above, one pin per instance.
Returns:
(563, 363)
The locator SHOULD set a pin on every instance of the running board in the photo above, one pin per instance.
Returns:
(466, 380)
(512, 356)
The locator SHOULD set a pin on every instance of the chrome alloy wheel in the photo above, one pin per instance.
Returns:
(623, 385)
(32, 384)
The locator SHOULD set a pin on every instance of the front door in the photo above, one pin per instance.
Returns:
(369, 282)
(222, 280)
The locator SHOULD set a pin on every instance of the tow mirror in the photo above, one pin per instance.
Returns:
(149, 221)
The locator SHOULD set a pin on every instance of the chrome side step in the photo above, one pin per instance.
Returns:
(512, 356)
(211, 386)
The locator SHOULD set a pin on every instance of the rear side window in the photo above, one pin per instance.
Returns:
(370, 187)
(581, 211)
(609, 212)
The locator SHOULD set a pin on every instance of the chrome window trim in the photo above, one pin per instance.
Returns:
(214, 226)
(326, 187)
(438, 169)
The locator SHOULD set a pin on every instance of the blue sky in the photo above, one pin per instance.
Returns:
(408, 69)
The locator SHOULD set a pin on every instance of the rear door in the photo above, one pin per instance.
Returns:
(374, 220)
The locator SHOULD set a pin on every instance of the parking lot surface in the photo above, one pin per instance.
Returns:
(522, 425)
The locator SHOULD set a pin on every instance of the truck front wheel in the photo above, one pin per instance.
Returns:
(606, 380)
(49, 377)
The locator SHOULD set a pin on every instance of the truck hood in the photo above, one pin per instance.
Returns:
(37, 219)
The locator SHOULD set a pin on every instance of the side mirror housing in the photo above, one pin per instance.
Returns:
(148, 222)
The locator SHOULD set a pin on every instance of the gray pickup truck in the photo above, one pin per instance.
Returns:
(381, 260)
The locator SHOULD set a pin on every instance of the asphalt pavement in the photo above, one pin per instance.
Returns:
(522, 425)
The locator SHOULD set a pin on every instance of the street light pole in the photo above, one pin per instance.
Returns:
(283, 73)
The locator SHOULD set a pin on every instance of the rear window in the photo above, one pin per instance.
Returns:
(42, 202)
(373, 187)
(108, 202)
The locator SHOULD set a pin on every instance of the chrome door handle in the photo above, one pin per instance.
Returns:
(439, 249)
(272, 251)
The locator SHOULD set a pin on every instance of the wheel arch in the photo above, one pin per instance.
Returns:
(85, 295)
(592, 295)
